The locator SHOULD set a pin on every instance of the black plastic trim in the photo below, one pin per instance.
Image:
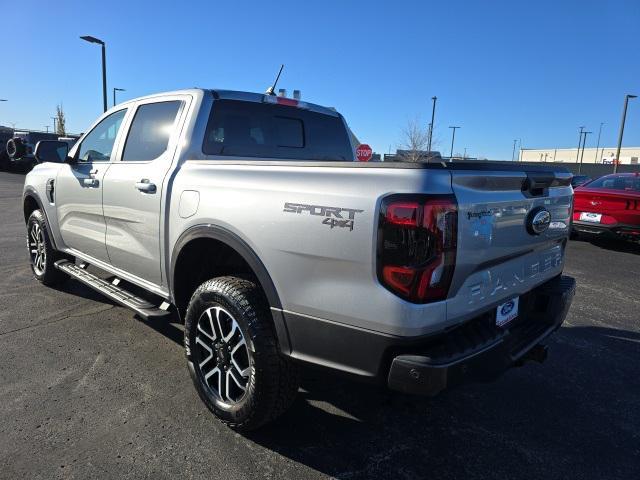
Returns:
(223, 235)
(31, 192)
(425, 374)
(369, 355)
(338, 346)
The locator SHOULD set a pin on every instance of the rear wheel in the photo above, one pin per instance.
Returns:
(233, 354)
(42, 255)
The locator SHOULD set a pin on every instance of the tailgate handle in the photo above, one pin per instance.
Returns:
(537, 183)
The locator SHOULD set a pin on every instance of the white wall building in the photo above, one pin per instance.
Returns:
(606, 155)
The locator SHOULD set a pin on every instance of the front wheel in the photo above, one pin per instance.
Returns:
(42, 255)
(233, 354)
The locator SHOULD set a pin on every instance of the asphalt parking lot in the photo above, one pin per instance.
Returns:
(89, 391)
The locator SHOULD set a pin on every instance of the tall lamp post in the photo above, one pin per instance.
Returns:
(582, 156)
(624, 119)
(90, 39)
(598, 143)
(115, 89)
(579, 143)
(453, 137)
(3, 100)
(513, 153)
(55, 119)
(433, 114)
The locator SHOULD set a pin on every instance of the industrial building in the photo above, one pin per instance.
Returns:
(602, 155)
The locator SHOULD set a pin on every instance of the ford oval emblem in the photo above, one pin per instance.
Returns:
(506, 308)
(538, 220)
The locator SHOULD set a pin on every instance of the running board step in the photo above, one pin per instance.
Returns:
(113, 291)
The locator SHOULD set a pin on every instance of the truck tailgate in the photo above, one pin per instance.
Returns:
(499, 255)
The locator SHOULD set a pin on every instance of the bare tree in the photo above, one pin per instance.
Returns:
(60, 121)
(415, 139)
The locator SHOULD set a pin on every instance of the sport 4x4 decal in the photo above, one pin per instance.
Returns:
(334, 216)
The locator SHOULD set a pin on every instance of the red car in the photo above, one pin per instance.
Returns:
(609, 205)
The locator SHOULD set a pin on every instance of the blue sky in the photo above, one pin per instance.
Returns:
(533, 70)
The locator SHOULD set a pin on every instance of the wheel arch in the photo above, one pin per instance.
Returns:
(30, 202)
(235, 245)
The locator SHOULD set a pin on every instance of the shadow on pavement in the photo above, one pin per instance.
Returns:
(79, 289)
(536, 422)
(576, 416)
(608, 243)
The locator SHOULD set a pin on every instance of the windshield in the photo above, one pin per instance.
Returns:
(617, 182)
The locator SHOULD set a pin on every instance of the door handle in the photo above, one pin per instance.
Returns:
(146, 186)
(90, 182)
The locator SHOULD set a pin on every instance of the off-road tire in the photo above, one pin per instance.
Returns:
(48, 275)
(273, 379)
(16, 148)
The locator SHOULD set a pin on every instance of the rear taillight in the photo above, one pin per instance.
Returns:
(417, 246)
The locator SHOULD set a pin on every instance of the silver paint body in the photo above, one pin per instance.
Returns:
(318, 271)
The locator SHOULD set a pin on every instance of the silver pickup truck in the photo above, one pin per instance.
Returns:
(248, 217)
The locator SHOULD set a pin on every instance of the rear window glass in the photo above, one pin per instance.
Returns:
(250, 129)
(617, 182)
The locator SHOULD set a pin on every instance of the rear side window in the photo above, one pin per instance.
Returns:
(250, 129)
(617, 182)
(150, 131)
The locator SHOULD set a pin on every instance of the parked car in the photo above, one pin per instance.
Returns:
(609, 206)
(579, 180)
(21, 145)
(248, 215)
(5, 134)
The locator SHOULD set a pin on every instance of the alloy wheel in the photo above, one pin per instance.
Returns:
(37, 249)
(222, 356)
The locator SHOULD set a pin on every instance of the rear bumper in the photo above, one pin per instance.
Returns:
(475, 350)
(619, 230)
(480, 351)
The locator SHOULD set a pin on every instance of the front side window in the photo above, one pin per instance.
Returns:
(150, 131)
(97, 146)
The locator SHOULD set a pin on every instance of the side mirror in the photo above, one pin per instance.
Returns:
(51, 151)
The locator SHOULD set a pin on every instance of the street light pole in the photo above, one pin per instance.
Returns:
(55, 119)
(433, 114)
(519, 149)
(90, 39)
(579, 142)
(513, 154)
(624, 119)
(453, 137)
(598, 144)
(582, 156)
(115, 89)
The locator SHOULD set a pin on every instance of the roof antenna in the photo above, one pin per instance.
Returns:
(272, 88)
